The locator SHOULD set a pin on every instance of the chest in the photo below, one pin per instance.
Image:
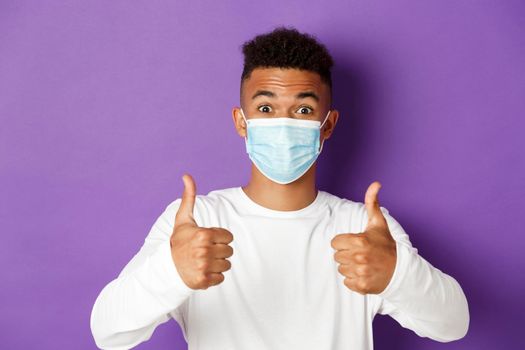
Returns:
(281, 265)
(283, 277)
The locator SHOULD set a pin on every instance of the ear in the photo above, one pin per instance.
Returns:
(329, 125)
(238, 121)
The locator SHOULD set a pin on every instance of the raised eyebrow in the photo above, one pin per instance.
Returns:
(300, 95)
(306, 94)
(263, 93)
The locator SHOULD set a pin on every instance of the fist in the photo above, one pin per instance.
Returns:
(367, 259)
(199, 253)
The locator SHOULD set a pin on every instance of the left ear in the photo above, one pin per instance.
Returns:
(238, 121)
(329, 125)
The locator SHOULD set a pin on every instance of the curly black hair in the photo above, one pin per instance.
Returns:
(287, 48)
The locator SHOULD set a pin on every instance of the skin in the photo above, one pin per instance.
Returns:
(285, 84)
(366, 259)
(199, 253)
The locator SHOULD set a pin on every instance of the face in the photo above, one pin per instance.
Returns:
(277, 92)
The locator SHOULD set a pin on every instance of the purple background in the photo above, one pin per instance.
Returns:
(104, 105)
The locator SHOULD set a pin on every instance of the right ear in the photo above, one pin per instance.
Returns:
(238, 121)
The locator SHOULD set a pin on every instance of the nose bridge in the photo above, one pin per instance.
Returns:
(277, 113)
(280, 115)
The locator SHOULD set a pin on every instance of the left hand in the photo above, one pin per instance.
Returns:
(367, 259)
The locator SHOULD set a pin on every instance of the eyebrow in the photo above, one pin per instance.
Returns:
(300, 95)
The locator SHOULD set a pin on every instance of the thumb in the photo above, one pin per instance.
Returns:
(185, 213)
(375, 216)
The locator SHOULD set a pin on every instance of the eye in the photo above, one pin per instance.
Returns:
(264, 106)
(302, 108)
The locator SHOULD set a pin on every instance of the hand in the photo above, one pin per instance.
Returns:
(367, 259)
(198, 253)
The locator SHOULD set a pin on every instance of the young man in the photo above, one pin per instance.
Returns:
(278, 264)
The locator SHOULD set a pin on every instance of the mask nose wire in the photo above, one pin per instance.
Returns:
(320, 127)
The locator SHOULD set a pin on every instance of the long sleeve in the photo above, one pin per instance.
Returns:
(130, 307)
(421, 297)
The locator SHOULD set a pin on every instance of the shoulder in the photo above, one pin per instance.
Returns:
(206, 205)
(356, 211)
(344, 205)
(208, 200)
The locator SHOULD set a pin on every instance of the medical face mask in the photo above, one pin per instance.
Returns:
(283, 148)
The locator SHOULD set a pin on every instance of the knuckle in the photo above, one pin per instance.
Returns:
(361, 258)
(362, 270)
(362, 285)
(202, 265)
(203, 235)
(362, 241)
(201, 252)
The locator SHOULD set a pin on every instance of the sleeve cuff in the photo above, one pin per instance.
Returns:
(173, 283)
(400, 270)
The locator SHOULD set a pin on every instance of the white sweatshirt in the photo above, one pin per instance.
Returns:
(283, 290)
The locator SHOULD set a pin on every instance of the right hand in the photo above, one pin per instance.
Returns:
(198, 252)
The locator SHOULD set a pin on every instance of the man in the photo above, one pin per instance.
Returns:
(278, 264)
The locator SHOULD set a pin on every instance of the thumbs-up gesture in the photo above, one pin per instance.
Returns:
(367, 259)
(198, 253)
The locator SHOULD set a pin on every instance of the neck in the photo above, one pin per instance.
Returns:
(292, 196)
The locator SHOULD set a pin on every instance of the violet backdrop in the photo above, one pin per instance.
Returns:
(104, 105)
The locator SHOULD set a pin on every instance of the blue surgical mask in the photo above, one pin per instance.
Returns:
(283, 148)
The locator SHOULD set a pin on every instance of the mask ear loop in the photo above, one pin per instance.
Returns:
(246, 124)
(321, 126)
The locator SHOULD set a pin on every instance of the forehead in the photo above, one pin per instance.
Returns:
(284, 82)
